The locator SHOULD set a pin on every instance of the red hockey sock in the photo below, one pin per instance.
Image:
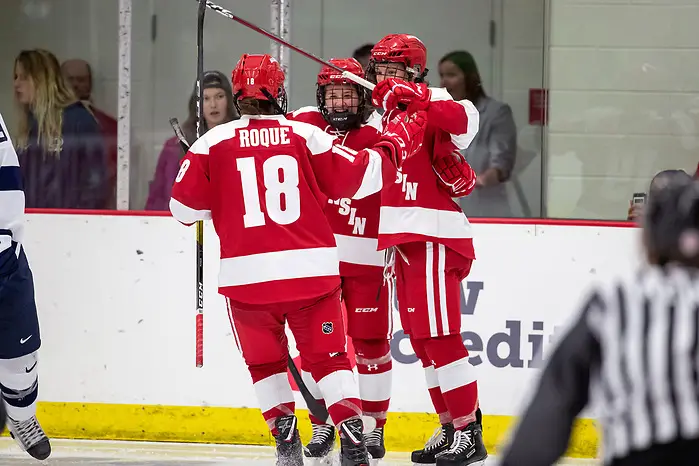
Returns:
(374, 366)
(273, 391)
(457, 380)
(440, 406)
(280, 410)
(336, 383)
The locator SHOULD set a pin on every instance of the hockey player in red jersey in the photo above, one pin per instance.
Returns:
(341, 111)
(432, 243)
(263, 180)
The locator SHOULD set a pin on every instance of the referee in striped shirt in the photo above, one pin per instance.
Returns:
(633, 351)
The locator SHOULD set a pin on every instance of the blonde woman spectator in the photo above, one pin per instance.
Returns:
(59, 142)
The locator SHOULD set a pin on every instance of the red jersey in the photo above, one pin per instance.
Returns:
(414, 207)
(355, 222)
(264, 181)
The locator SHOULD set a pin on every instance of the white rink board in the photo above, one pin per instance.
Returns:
(116, 303)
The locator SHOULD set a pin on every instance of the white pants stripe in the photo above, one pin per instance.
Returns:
(441, 267)
(441, 294)
(429, 287)
(391, 297)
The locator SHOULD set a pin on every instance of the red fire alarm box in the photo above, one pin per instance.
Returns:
(538, 107)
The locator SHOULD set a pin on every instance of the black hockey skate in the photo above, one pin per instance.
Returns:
(439, 442)
(30, 437)
(321, 444)
(353, 451)
(466, 449)
(289, 448)
(374, 443)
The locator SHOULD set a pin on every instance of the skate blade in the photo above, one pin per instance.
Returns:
(369, 424)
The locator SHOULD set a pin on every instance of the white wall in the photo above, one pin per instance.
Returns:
(624, 78)
(116, 305)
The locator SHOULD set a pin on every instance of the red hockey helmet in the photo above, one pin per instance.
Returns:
(400, 48)
(259, 77)
(347, 118)
(330, 75)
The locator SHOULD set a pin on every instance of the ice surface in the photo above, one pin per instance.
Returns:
(103, 453)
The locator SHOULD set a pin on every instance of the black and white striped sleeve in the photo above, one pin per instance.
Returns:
(562, 393)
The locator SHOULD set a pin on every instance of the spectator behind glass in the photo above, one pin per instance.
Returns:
(60, 146)
(363, 54)
(492, 153)
(79, 75)
(659, 181)
(218, 109)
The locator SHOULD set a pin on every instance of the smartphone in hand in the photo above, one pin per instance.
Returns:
(639, 198)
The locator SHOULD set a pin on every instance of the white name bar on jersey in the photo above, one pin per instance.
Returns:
(264, 137)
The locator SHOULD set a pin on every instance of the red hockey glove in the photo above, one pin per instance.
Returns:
(455, 174)
(402, 136)
(391, 92)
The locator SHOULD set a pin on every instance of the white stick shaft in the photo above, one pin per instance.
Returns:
(358, 80)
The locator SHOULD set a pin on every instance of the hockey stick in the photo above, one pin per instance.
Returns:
(179, 134)
(201, 13)
(345, 74)
(316, 409)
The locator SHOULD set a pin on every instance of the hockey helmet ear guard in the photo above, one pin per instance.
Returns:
(349, 118)
(260, 77)
(405, 49)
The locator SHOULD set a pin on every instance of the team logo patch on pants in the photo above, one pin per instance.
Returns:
(327, 328)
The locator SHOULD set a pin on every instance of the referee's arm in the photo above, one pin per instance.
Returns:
(544, 430)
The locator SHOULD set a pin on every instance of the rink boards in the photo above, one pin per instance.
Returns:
(116, 300)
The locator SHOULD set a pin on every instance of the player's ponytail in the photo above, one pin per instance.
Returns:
(252, 106)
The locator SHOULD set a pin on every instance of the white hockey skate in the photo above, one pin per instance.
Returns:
(30, 437)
